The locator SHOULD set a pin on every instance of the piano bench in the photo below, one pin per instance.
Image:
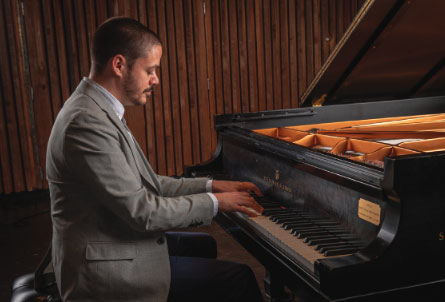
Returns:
(23, 291)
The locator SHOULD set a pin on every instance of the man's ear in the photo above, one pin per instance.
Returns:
(118, 65)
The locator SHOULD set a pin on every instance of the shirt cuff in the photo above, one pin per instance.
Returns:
(209, 185)
(215, 204)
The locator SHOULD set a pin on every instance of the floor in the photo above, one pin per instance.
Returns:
(26, 232)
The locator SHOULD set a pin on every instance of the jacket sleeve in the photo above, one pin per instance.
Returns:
(171, 186)
(94, 155)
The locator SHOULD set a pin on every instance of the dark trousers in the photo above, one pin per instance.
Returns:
(197, 276)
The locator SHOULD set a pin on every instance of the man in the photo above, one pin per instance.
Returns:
(110, 210)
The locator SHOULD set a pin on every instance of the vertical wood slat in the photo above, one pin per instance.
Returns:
(17, 163)
(254, 54)
(268, 54)
(7, 185)
(193, 93)
(185, 133)
(210, 74)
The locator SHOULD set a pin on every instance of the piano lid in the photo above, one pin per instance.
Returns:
(394, 49)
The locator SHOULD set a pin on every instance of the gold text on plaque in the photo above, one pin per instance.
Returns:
(441, 236)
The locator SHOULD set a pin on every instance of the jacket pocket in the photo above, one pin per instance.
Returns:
(110, 251)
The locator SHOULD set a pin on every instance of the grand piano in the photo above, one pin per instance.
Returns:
(354, 179)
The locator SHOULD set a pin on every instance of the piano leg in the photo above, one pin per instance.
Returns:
(275, 289)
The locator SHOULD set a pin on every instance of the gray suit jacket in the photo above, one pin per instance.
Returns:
(109, 209)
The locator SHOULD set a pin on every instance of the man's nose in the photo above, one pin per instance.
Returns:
(154, 80)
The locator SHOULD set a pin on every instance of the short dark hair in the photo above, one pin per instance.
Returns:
(121, 35)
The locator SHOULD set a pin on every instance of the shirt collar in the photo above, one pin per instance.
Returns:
(117, 106)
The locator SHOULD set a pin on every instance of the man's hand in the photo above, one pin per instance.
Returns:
(238, 202)
(221, 186)
(234, 196)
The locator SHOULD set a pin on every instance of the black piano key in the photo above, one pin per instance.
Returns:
(297, 229)
(338, 252)
(282, 220)
(295, 222)
(281, 217)
(315, 238)
(314, 234)
(333, 246)
(338, 232)
(328, 240)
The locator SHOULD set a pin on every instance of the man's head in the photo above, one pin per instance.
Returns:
(125, 55)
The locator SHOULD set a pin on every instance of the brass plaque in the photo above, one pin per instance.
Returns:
(369, 211)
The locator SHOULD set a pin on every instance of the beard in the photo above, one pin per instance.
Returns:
(132, 93)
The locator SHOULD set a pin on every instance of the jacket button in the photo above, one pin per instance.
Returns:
(160, 240)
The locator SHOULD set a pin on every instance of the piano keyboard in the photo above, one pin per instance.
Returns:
(304, 235)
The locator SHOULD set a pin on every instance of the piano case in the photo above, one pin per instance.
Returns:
(354, 189)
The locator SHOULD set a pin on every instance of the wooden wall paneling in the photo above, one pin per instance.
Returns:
(325, 33)
(332, 24)
(226, 57)
(318, 60)
(284, 62)
(101, 9)
(301, 44)
(268, 54)
(113, 8)
(259, 32)
(210, 71)
(234, 56)
(71, 44)
(20, 96)
(309, 41)
(5, 162)
(38, 66)
(192, 78)
(61, 52)
(293, 54)
(276, 55)
(251, 55)
(174, 88)
(81, 36)
(183, 97)
(151, 127)
(217, 48)
(201, 72)
(340, 15)
(51, 54)
(13, 160)
(242, 48)
(91, 24)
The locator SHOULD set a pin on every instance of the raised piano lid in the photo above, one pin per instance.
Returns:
(392, 50)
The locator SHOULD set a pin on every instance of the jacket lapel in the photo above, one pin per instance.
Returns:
(145, 170)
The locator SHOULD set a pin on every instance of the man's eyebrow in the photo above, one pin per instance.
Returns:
(154, 67)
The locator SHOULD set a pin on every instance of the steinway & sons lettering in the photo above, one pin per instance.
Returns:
(277, 184)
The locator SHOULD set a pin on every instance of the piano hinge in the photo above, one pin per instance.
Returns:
(204, 8)
(208, 84)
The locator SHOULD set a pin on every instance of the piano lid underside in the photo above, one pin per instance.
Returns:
(393, 50)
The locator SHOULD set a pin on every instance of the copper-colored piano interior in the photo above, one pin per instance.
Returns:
(369, 141)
